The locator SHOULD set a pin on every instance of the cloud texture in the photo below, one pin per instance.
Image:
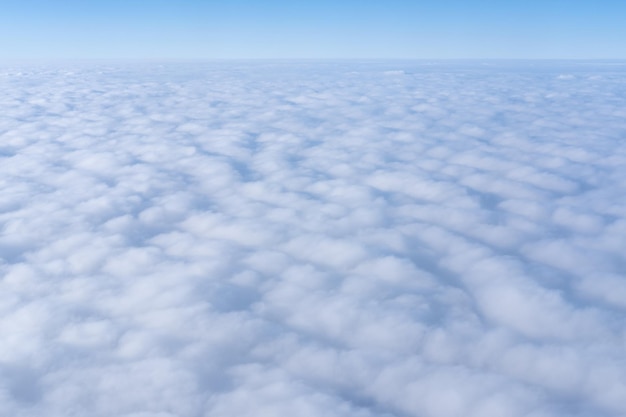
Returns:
(298, 239)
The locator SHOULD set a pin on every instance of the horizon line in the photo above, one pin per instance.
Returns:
(205, 59)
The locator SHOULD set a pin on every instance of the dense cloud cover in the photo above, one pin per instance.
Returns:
(313, 239)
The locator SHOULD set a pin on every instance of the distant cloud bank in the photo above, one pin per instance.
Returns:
(299, 239)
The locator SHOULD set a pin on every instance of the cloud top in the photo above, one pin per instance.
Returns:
(344, 239)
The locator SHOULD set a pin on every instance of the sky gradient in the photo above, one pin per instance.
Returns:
(188, 29)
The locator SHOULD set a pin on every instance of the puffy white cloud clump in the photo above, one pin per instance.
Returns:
(313, 239)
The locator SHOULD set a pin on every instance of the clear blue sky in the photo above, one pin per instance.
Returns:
(210, 29)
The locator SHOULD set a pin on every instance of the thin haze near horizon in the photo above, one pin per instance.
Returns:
(240, 29)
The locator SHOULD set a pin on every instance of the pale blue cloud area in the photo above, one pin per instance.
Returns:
(325, 240)
(312, 29)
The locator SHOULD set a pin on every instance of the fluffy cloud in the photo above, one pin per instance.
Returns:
(343, 239)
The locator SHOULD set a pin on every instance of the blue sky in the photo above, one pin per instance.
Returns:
(312, 29)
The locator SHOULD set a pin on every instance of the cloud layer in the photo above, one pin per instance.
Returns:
(313, 239)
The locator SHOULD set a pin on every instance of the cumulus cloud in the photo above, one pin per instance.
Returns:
(344, 239)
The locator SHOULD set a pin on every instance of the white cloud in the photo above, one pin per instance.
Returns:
(343, 239)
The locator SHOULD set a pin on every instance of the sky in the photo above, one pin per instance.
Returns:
(209, 29)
